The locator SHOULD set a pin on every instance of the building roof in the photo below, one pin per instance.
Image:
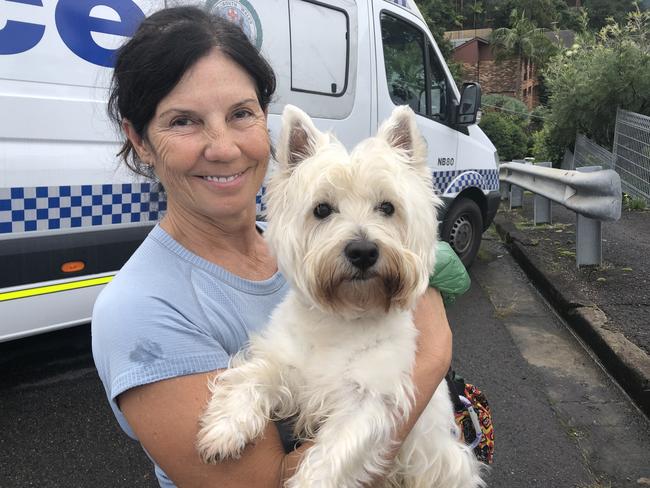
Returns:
(456, 43)
(467, 34)
(459, 38)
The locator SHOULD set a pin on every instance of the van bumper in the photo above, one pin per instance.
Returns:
(493, 200)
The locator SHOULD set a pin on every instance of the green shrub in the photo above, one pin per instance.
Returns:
(588, 82)
(545, 146)
(632, 203)
(513, 107)
(506, 134)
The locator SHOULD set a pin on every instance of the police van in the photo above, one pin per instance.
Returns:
(70, 216)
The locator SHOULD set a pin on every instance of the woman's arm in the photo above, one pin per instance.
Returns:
(164, 416)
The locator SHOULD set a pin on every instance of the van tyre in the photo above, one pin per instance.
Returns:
(462, 229)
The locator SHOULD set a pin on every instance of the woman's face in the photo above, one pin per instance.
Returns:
(208, 142)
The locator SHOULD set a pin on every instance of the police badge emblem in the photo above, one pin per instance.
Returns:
(241, 13)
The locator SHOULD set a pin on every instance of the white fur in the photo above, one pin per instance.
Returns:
(339, 350)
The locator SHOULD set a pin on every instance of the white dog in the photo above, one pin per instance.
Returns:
(354, 233)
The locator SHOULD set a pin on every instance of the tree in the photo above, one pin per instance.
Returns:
(541, 13)
(440, 16)
(506, 134)
(600, 10)
(523, 40)
(588, 82)
(476, 10)
(513, 107)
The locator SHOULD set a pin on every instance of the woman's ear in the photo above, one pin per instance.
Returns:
(138, 142)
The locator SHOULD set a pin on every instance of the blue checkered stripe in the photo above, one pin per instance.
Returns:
(451, 182)
(259, 201)
(64, 207)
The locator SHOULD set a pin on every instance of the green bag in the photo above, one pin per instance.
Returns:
(449, 275)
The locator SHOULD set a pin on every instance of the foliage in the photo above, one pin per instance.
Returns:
(506, 134)
(630, 203)
(457, 71)
(537, 117)
(440, 16)
(549, 14)
(523, 39)
(509, 106)
(588, 82)
(601, 10)
(545, 147)
(541, 13)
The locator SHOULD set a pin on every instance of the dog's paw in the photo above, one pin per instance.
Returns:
(219, 440)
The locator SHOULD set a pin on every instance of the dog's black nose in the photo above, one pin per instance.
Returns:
(362, 254)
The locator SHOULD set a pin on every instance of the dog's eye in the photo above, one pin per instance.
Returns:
(387, 208)
(322, 210)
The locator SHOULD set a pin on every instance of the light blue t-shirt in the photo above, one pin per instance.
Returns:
(168, 313)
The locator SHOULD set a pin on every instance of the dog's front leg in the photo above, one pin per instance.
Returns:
(350, 447)
(243, 399)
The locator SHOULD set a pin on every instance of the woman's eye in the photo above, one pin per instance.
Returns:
(242, 114)
(323, 210)
(386, 208)
(181, 122)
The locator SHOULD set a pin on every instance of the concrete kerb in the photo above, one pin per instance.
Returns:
(626, 362)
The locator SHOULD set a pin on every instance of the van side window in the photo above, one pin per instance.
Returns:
(404, 63)
(414, 74)
(319, 48)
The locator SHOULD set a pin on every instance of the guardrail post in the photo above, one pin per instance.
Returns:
(504, 190)
(516, 197)
(542, 205)
(517, 192)
(589, 242)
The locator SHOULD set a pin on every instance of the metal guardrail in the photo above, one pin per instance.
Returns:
(593, 194)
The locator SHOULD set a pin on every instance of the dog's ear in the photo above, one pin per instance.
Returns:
(299, 137)
(401, 132)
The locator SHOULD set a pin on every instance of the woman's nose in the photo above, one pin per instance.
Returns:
(221, 146)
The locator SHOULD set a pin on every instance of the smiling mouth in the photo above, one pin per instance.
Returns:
(223, 179)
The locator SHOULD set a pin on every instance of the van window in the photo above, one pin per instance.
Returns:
(319, 48)
(404, 62)
(414, 74)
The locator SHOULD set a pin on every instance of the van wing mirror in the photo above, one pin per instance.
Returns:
(470, 103)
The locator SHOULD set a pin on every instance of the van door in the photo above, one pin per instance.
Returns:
(409, 72)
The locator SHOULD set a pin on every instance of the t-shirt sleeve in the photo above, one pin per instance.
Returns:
(142, 339)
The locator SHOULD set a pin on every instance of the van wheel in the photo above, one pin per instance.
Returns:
(462, 229)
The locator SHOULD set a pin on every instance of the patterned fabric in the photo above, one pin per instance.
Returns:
(475, 422)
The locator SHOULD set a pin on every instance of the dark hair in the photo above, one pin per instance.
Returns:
(154, 60)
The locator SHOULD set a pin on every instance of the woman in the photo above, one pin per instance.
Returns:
(191, 94)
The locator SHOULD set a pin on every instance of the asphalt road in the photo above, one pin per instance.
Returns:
(559, 419)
